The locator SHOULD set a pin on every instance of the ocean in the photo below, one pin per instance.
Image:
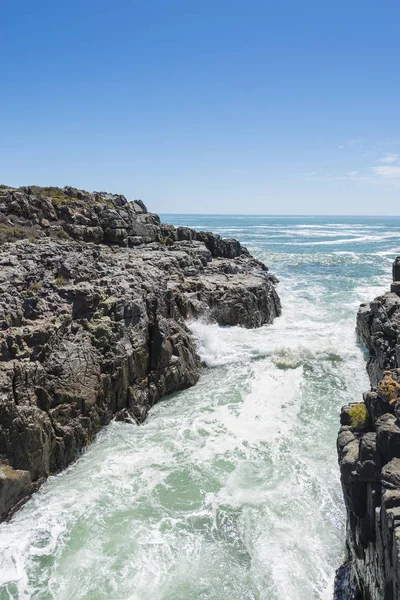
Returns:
(230, 490)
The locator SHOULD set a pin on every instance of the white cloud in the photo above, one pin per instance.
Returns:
(354, 176)
(390, 158)
(387, 171)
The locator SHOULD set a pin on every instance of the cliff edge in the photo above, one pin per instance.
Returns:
(369, 459)
(94, 295)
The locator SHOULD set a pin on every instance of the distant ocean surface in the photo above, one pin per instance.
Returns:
(230, 490)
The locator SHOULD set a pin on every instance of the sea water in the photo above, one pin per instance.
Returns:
(230, 490)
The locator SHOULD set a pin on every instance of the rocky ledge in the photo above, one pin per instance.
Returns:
(95, 294)
(369, 458)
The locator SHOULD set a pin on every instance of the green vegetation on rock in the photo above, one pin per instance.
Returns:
(359, 416)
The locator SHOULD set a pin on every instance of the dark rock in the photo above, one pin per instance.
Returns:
(376, 405)
(396, 269)
(395, 288)
(346, 586)
(388, 436)
(391, 474)
(378, 329)
(94, 295)
(370, 461)
(14, 485)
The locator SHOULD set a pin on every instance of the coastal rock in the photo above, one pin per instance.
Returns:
(346, 586)
(378, 328)
(95, 295)
(369, 459)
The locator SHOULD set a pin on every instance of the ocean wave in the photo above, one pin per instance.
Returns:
(230, 486)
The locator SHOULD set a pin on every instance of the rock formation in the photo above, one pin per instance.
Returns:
(94, 296)
(369, 458)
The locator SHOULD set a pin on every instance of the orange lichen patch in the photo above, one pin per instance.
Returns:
(389, 387)
(7, 472)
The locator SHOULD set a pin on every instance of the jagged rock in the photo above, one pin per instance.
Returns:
(378, 327)
(14, 484)
(346, 586)
(369, 462)
(396, 269)
(388, 436)
(94, 297)
(390, 474)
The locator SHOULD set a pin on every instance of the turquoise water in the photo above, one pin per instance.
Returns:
(230, 490)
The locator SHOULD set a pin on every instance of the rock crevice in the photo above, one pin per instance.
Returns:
(95, 295)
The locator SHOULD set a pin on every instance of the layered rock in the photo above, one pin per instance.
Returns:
(369, 458)
(94, 297)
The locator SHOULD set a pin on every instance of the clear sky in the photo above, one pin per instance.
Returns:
(220, 106)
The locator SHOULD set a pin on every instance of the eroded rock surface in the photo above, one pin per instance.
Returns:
(369, 458)
(94, 296)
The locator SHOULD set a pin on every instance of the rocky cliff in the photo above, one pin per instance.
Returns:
(369, 458)
(95, 293)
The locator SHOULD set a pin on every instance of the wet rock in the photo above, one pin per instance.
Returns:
(346, 587)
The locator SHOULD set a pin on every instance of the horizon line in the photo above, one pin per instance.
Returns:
(310, 215)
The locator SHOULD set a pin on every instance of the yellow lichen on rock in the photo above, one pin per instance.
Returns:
(358, 416)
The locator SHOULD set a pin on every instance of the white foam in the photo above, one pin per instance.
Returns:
(230, 489)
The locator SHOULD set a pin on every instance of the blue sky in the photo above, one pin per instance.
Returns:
(216, 107)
